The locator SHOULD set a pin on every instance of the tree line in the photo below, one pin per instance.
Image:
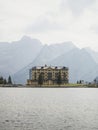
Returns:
(5, 81)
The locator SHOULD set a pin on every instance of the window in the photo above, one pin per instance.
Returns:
(49, 75)
(35, 76)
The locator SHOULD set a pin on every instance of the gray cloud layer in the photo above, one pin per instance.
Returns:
(77, 6)
(50, 20)
(44, 25)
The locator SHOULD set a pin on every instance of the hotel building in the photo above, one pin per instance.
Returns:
(49, 75)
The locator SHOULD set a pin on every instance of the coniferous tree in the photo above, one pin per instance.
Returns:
(1, 80)
(80, 82)
(40, 79)
(77, 82)
(9, 80)
(4, 81)
(59, 79)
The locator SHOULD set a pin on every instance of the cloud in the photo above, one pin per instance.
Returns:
(94, 29)
(50, 20)
(76, 6)
(42, 25)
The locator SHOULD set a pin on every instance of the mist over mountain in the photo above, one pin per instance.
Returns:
(45, 56)
(14, 56)
(18, 57)
(94, 54)
(80, 64)
(50, 52)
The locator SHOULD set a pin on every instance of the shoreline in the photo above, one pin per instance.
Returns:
(26, 86)
(69, 85)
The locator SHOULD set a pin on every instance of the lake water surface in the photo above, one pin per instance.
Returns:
(48, 109)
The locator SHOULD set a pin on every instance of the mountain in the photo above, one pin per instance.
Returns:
(47, 54)
(80, 63)
(93, 53)
(50, 52)
(18, 57)
(82, 66)
(14, 56)
(94, 72)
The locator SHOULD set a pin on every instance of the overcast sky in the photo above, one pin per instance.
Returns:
(50, 21)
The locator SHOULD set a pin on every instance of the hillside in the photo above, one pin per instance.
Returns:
(79, 61)
(14, 56)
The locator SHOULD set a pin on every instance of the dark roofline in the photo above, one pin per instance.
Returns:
(53, 67)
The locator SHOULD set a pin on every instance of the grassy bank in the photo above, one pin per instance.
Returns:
(70, 85)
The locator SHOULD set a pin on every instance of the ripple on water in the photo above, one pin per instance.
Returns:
(48, 109)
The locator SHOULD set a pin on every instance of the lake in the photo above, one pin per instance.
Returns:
(48, 109)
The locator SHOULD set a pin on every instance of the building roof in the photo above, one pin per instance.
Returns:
(49, 67)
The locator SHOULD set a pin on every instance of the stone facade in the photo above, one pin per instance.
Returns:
(49, 75)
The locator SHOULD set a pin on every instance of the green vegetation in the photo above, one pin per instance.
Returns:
(9, 80)
(4, 81)
(69, 85)
(40, 79)
(59, 79)
(92, 85)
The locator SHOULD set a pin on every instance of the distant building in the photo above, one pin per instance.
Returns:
(49, 75)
